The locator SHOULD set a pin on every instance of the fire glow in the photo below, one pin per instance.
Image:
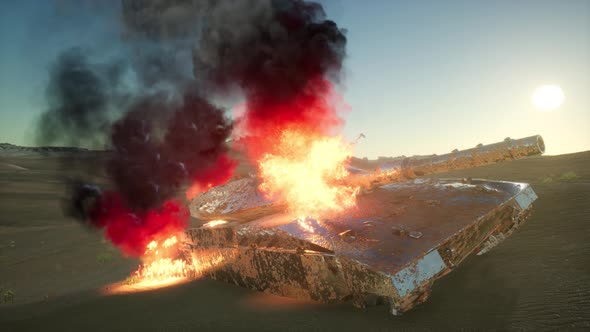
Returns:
(218, 173)
(307, 171)
(165, 264)
(159, 266)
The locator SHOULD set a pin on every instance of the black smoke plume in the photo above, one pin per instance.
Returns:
(270, 49)
(148, 169)
(80, 96)
(163, 129)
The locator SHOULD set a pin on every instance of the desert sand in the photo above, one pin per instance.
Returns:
(538, 279)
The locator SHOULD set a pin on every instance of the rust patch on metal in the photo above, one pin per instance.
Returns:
(390, 250)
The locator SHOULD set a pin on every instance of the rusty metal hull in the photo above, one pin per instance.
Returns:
(240, 200)
(404, 169)
(390, 249)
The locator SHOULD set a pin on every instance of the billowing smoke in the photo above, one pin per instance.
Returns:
(81, 96)
(282, 55)
(157, 143)
(153, 105)
(147, 170)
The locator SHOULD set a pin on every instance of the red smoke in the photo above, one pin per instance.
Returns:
(131, 231)
(216, 174)
(147, 172)
(314, 110)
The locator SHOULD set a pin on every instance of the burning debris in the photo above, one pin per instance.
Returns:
(165, 263)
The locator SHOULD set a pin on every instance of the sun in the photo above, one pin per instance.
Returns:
(548, 97)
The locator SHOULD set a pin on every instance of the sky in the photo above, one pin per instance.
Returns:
(421, 77)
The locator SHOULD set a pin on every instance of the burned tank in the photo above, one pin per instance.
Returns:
(407, 230)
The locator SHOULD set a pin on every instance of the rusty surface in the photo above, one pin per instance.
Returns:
(240, 200)
(403, 169)
(237, 200)
(390, 249)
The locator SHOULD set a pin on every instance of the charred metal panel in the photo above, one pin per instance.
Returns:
(390, 249)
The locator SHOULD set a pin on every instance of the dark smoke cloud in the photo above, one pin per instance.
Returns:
(280, 54)
(265, 47)
(161, 35)
(148, 170)
(143, 104)
(81, 97)
(161, 20)
(152, 105)
(161, 67)
(271, 49)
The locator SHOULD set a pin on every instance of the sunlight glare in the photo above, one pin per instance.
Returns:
(548, 97)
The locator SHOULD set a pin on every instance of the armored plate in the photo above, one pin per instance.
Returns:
(240, 200)
(389, 249)
(237, 200)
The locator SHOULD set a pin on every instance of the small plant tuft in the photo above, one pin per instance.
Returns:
(567, 176)
(7, 295)
(104, 258)
(546, 179)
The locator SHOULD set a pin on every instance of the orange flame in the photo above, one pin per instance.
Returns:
(159, 266)
(307, 171)
(164, 265)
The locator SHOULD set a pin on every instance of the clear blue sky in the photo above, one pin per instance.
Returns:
(421, 76)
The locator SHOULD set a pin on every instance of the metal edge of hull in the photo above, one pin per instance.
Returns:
(328, 277)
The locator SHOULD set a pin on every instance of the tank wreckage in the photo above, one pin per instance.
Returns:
(406, 232)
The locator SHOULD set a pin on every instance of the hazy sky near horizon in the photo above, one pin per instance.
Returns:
(421, 76)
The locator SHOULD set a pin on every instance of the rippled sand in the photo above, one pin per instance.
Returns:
(538, 279)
